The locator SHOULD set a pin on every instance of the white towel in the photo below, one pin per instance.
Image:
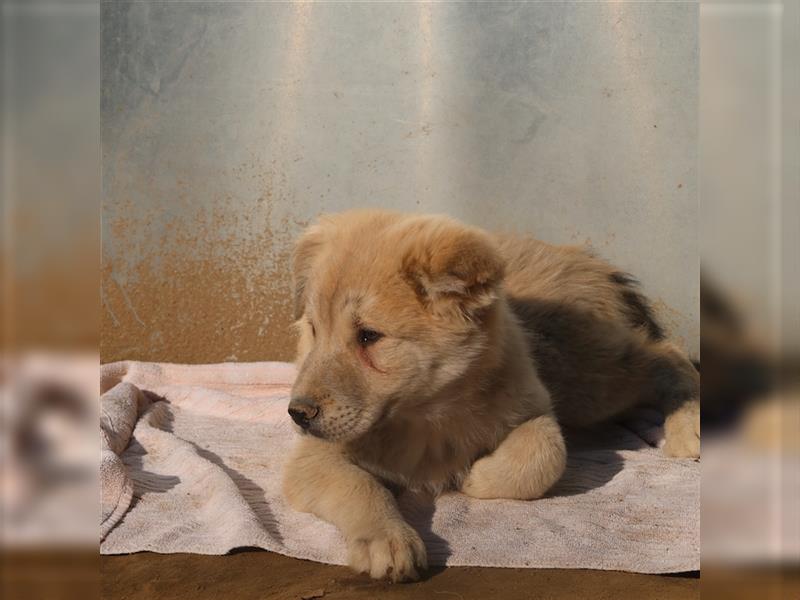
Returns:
(205, 460)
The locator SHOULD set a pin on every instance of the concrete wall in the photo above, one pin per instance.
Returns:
(227, 127)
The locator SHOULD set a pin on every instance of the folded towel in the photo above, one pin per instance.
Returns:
(118, 413)
(203, 465)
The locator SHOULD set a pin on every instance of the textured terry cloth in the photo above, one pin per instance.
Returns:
(206, 453)
(118, 414)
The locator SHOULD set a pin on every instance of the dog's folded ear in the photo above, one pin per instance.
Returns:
(306, 250)
(452, 265)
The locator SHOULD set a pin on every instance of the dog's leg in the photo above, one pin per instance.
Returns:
(319, 479)
(524, 466)
(677, 388)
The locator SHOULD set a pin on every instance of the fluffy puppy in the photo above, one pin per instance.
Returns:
(436, 356)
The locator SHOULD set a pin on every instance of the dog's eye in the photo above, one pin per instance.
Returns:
(313, 330)
(367, 337)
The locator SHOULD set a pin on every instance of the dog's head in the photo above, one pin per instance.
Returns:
(391, 309)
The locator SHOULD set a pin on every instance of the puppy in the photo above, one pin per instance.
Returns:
(436, 356)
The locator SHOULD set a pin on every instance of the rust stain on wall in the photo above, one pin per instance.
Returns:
(202, 312)
(212, 285)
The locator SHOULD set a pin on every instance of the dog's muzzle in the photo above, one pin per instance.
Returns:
(303, 411)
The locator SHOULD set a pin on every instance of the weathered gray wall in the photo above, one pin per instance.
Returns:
(227, 127)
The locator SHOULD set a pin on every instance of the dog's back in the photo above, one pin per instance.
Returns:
(592, 334)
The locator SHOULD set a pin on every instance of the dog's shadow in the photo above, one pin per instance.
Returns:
(419, 509)
(593, 461)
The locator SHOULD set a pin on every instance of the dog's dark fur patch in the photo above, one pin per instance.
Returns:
(638, 309)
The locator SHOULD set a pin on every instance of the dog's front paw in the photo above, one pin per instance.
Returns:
(524, 466)
(482, 481)
(394, 553)
(682, 432)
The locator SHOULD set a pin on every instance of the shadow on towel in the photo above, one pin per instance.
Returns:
(253, 494)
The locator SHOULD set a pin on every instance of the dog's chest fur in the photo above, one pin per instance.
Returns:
(435, 454)
(422, 456)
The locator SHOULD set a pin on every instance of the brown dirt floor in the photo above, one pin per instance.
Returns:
(263, 575)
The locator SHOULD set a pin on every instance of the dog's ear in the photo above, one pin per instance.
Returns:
(454, 266)
(306, 249)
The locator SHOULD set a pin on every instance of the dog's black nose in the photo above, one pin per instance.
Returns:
(302, 412)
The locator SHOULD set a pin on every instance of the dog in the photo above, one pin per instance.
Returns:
(435, 356)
